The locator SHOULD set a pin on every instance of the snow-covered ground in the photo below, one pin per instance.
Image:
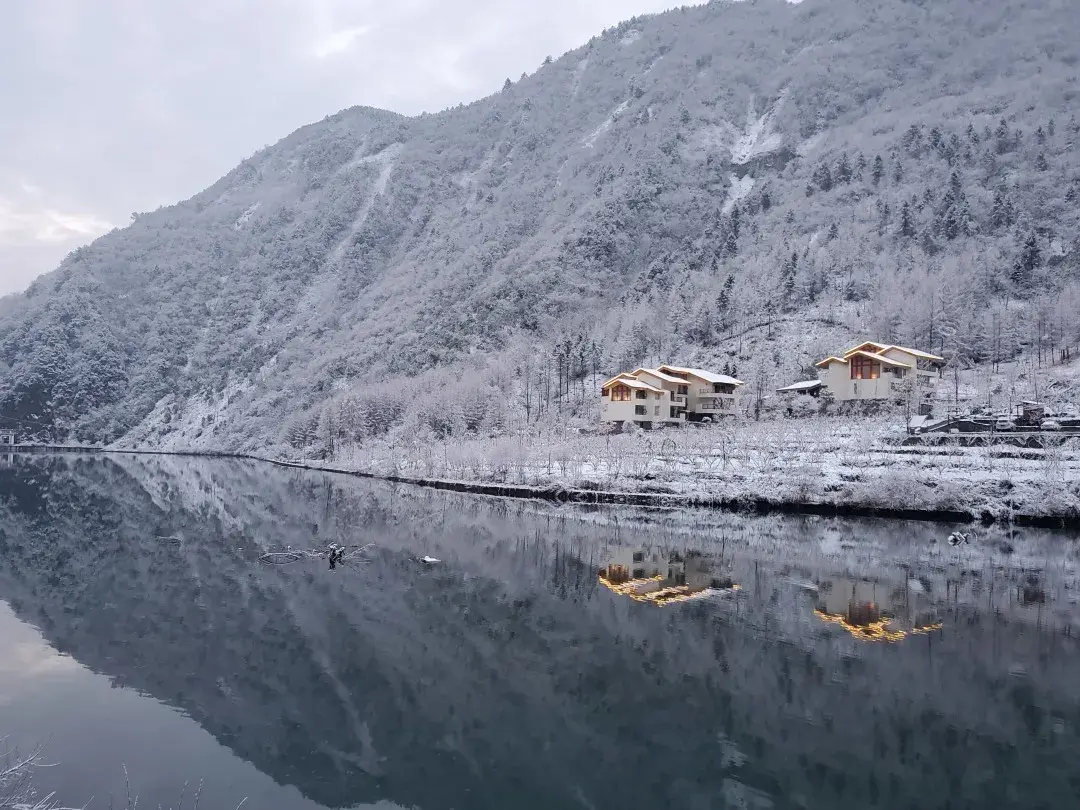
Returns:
(841, 460)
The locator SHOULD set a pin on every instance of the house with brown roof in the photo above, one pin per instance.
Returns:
(668, 395)
(877, 371)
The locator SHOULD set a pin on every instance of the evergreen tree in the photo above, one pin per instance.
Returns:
(1040, 136)
(834, 231)
(1041, 163)
(1026, 263)
(1051, 128)
(972, 134)
(1002, 139)
(843, 169)
(907, 221)
(766, 199)
(897, 171)
(912, 139)
(999, 214)
(878, 171)
(823, 177)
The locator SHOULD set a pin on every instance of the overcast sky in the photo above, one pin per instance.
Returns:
(115, 106)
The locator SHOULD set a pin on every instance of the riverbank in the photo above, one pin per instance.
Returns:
(814, 466)
(829, 467)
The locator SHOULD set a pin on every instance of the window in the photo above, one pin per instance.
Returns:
(603, 392)
(620, 393)
(639, 573)
(639, 556)
(683, 389)
(640, 410)
(863, 368)
(641, 394)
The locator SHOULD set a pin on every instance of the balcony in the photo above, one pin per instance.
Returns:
(709, 392)
(678, 399)
(717, 403)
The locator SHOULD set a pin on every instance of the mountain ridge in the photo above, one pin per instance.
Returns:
(610, 195)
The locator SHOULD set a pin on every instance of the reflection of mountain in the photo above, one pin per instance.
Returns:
(507, 677)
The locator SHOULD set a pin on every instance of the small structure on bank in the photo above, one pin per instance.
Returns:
(7, 437)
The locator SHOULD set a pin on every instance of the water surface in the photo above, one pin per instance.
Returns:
(552, 658)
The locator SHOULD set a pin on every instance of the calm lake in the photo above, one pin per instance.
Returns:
(553, 657)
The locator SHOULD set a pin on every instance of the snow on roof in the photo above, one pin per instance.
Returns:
(659, 374)
(623, 375)
(862, 353)
(707, 376)
(877, 347)
(832, 359)
(881, 348)
(631, 382)
(804, 385)
(917, 353)
(880, 358)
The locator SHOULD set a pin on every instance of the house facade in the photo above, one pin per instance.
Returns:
(7, 437)
(668, 395)
(878, 371)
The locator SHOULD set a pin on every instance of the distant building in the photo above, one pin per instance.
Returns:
(668, 395)
(805, 388)
(878, 371)
(7, 437)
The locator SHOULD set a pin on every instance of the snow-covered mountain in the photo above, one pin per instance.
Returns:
(898, 168)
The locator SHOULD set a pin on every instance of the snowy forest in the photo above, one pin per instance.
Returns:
(743, 186)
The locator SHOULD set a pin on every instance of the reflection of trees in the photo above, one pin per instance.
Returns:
(505, 676)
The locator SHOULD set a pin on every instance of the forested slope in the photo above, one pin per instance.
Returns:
(900, 169)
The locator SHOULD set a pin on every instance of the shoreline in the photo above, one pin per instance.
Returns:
(599, 497)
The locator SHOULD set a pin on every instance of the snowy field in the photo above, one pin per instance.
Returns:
(823, 460)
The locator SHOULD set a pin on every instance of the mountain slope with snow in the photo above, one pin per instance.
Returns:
(883, 168)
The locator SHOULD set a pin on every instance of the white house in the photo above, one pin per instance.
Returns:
(876, 371)
(7, 437)
(668, 395)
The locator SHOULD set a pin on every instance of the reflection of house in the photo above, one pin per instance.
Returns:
(873, 611)
(872, 371)
(668, 395)
(662, 577)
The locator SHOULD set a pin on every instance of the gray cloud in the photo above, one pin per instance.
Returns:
(124, 105)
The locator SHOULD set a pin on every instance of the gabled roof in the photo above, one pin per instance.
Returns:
(630, 382)
(920, 354)
(659, 375)
(871, 346)
(833, 359)
(620, 376)
(881, 348)
(707, 376)
(880, 358)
